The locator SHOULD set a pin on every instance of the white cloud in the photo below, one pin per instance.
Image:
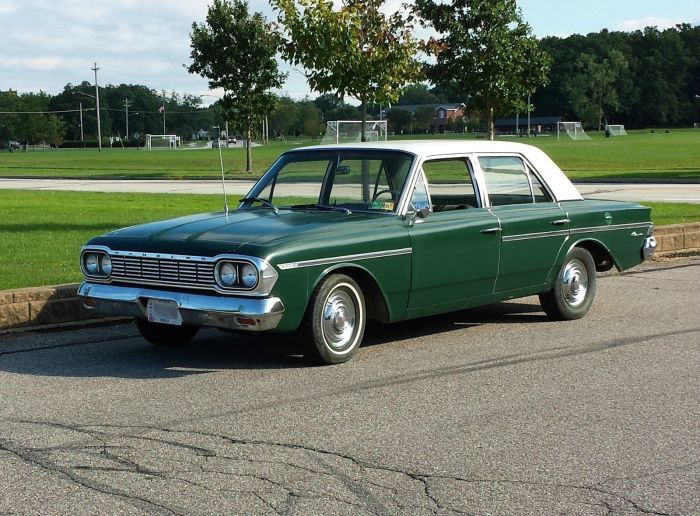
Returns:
(649, 21)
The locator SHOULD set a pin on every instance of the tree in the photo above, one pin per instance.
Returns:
(236, 51)
(593, 90)
(356, 50)
(400, 119)
(487, 51)
(284, 116)
(417, 94)
(309, 119)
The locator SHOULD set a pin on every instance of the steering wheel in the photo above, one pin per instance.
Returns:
(380, 192)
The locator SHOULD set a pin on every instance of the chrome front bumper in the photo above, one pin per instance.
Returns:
(236, 313)
(648, 247)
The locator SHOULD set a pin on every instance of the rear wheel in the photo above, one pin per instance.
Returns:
(574, 288)
(166, 334)
(335, 320)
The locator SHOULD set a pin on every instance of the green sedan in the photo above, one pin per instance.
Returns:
(331, 236)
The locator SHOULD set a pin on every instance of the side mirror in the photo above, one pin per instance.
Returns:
(416, 213)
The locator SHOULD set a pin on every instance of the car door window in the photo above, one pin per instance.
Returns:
(509, 182)
(539, 192)
(450, 184)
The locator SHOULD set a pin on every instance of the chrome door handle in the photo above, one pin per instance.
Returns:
(560, 222)
(489, 231)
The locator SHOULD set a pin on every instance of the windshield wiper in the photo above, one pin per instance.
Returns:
(334, 208)
(320, 207)
(264, 202)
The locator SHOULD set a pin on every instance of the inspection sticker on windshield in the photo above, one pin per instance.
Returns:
(163, 311)
(389, 206)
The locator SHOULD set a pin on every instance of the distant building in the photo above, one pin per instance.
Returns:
(445, 113)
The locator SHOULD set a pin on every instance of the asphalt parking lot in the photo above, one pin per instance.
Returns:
(494, 410)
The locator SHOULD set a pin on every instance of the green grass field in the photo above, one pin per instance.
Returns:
(641, 155)
(42, 232)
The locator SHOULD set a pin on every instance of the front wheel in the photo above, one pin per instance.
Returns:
(335, 320)
(166, 334)
(574, 288)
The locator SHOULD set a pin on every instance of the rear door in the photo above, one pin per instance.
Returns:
(533, 226)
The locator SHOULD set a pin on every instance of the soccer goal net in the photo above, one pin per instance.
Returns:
(162, 141)
(347, 131)
(573, 129)
(616, 130)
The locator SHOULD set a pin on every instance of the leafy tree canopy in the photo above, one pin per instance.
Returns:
(354, 51)
(485, 50)
(236, 50)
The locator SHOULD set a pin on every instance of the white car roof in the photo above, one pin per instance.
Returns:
(560, 185)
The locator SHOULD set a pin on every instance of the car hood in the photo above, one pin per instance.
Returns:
(216, 233)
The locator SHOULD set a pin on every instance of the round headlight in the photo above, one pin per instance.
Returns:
(249, 275)
(105, 264)
(227, 274)
(91, 263)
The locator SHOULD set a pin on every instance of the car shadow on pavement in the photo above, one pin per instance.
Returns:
(119, 351)
(497, 313)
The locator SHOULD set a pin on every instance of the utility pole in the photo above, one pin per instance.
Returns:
(97, 101)
(82, 136)
(126, 113)
(163, 108)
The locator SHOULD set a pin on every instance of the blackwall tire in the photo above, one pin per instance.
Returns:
(166, 334)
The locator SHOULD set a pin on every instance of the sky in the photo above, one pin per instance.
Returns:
(46, 44)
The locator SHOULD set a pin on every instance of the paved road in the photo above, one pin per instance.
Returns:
(625, 192)
(488, 411)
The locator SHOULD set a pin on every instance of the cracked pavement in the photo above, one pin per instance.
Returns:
(494, 410)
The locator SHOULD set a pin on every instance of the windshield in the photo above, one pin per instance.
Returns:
(353, 180)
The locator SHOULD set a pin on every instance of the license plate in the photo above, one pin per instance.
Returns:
(163, 311)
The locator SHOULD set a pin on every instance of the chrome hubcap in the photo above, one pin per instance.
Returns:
(574, 282)
(339, 319)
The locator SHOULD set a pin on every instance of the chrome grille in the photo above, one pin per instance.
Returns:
(176, 272)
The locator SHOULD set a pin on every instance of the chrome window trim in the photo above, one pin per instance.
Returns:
(345, 258)
(267, 275)
(528, 167)
(418, 172)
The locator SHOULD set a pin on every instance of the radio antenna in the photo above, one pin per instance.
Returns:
(223, 176)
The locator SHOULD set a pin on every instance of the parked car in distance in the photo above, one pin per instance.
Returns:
(331, 236)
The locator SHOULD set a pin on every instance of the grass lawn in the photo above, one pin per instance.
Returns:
(42, 232)
(640, 155)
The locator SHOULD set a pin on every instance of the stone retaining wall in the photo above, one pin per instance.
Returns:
(40, 306)
(31, 307)
(677, 239)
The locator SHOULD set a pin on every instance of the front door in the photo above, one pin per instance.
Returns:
(456, 247)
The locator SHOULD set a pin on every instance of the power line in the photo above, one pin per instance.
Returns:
(43, 112)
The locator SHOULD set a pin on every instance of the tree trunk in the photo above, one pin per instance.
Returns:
(363, 136)
(491, 125)
(249, 151)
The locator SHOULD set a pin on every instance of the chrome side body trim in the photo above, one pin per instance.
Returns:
(611, 227)
(530, 236)
(345, 258)
(201, 310)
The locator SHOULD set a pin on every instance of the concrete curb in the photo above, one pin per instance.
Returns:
(45, 307)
